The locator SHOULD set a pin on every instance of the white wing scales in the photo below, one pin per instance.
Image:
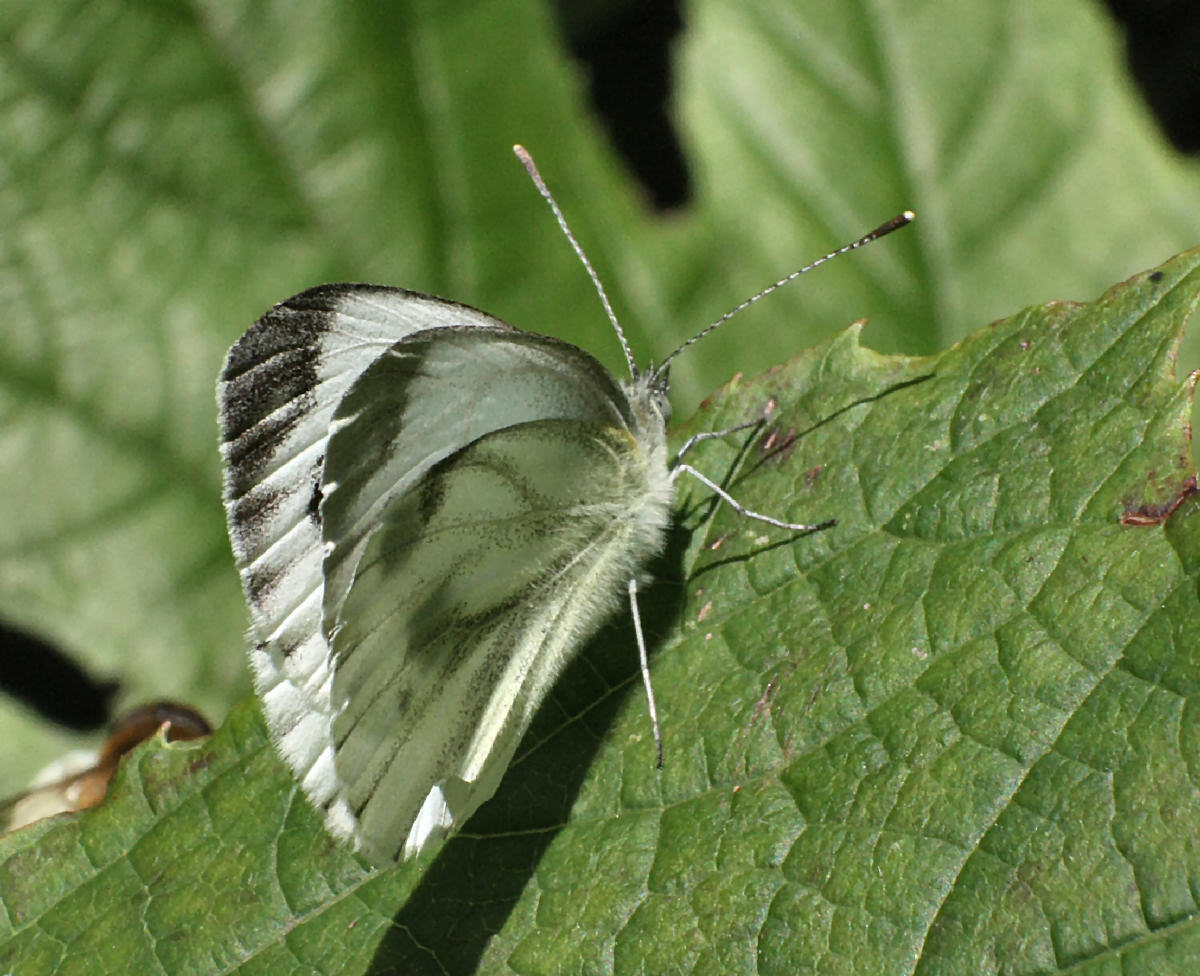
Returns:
(277, 392)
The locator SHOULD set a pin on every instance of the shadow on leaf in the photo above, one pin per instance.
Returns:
(472, 887)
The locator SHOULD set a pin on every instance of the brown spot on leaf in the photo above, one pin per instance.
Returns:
(1158, 513)
(777, 444)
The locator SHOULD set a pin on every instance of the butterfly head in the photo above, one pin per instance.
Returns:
(649, 390)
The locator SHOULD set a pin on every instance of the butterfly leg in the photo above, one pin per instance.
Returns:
(711, 435)
(643, 658)
(741, 509)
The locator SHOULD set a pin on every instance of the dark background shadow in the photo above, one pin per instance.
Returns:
(626, 51)
(48, 680)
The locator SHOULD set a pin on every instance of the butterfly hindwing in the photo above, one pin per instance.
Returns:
(480, 492)
(464, 605)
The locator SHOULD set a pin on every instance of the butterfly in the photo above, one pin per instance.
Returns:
(430, 511)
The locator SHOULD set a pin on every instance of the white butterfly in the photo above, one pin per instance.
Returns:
(430, 512)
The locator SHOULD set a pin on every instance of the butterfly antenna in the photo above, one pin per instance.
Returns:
(900, 220)
(531, 168)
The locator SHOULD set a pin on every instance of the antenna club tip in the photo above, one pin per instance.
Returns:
(900, 220)
(530, 167)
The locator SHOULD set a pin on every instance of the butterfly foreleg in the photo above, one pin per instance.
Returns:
(741, 509)
(711, 435)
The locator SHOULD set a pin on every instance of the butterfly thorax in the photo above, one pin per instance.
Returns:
(651, 410)
(647, 396)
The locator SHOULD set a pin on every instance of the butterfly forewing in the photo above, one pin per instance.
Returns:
(277, 393)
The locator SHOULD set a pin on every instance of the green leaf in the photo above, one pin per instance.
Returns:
(957, 726)
(172, 172)
(169, 172)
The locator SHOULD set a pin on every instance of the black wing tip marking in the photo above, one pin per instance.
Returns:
(268, 384)
(257, 585)
(327, 299)
(284, 648)
(314, 501)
